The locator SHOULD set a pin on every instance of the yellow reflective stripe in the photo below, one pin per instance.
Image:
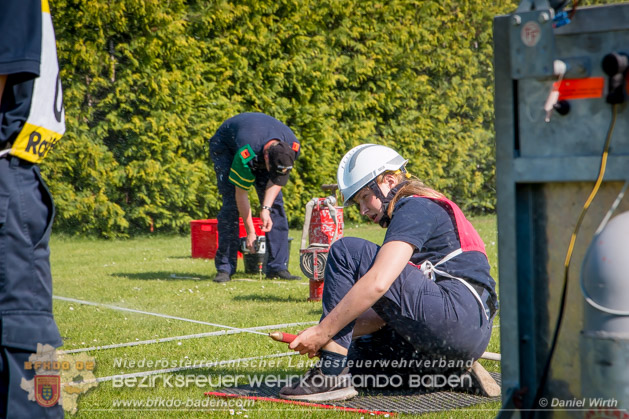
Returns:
(238, 174)
(237, 183)
(33, 143)
(45, 8)
(241, 186)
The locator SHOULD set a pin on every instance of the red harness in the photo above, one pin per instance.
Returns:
(469, 238)
(470, 241)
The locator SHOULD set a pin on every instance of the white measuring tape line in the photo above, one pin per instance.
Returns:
(197, 335)
(166, 316)
(233, 330)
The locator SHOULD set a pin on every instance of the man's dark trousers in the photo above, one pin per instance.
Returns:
(228, 225)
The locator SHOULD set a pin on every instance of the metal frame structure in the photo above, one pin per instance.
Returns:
(544, 173)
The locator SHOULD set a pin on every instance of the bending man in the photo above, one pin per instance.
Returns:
(253, 149)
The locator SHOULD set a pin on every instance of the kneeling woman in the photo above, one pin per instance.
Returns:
(429, 282)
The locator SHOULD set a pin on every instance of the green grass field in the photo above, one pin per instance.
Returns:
(156, 274)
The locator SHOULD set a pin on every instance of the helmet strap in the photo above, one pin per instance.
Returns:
(385, 200)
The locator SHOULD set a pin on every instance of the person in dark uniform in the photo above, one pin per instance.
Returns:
(253, 149)
(427, 290)
(31, 122)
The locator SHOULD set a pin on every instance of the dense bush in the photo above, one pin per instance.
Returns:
(147, 82)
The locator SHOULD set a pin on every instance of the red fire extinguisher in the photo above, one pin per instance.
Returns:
(323, 225)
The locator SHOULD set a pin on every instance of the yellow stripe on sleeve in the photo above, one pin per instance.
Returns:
(238, 174)
(239, 184)
(33, 143)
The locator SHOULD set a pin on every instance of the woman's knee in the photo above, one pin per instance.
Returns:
(350, 247)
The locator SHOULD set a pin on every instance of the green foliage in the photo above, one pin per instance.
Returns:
(146, 84)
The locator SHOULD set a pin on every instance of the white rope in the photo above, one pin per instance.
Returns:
(166, 316)
(428, 269)
(195, 336)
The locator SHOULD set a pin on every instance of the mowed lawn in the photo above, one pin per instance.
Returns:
(119, 282)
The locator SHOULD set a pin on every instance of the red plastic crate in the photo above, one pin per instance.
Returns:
(204, 236)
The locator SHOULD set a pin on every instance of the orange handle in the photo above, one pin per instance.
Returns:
(282, 337)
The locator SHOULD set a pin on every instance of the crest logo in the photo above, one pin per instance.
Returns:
(59, 378)
(295, 147)
(47, 389)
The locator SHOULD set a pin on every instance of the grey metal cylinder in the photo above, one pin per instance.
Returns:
(605, 335)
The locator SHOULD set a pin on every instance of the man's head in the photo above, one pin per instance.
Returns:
(281, 158)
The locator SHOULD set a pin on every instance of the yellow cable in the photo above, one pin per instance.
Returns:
(597, 185)
(573, 238)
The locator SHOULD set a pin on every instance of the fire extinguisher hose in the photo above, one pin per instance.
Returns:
(306, 263)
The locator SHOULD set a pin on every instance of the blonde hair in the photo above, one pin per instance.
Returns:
(414, 187)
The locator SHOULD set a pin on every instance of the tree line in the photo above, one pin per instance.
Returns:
(147, 82)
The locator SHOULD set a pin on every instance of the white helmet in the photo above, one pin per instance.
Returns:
(364, 163)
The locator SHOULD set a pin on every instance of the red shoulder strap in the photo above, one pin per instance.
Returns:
(469, 238)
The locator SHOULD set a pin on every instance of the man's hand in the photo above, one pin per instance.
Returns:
(251, 242)
(270, 194)
(265, 219)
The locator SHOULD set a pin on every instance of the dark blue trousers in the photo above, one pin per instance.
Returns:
(440, 318)
(228, 226)
(26, 215)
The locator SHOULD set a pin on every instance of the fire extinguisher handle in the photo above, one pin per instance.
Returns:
(329, 187)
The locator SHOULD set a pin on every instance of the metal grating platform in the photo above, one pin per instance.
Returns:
(398, 401)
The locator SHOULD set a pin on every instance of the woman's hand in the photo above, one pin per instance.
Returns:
(390, 261)
(310, 341)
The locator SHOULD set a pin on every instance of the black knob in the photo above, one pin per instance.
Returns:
(562, 107)
(615, 65)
